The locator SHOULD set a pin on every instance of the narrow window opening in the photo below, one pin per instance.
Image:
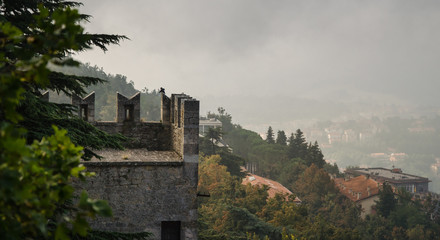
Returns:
(170, 230)
(129, 109)
(83, 111)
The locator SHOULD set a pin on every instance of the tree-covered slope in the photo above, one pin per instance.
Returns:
(105, 93)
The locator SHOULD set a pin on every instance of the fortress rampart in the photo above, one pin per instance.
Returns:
(152, 184)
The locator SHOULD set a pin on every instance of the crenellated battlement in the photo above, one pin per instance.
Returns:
(177, 130)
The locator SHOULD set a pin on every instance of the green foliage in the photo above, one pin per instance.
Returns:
(45, 32)
(230, 211)
(297, 145)
(232, 162)
(234, 209)
(223, 117)
(214, 135)
(35, 179)
(243, 142)
(281, 138)
(38, 114)
(313, 186)
(314, 155)
(36, 172)
(332, 169)
(291, 171)
(406, 219)
(270, 136)
(387, 202)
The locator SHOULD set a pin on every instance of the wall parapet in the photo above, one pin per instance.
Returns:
(132, 163)
(178, 129)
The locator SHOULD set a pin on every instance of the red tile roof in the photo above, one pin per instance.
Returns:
(357, 188)
(274, 187)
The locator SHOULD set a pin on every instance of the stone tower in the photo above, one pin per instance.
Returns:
(152, 184)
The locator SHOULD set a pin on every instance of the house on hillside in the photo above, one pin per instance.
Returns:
(205, 124)
(395, 177)
(274, 187)
(362, 189)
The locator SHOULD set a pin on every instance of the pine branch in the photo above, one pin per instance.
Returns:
(99, 40)
(39, 116)
(71, 84)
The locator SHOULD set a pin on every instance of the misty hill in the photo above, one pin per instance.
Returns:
(303, 109)
(106, 93)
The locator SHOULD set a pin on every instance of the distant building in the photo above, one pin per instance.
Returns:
(205, 124)
(395, 177)
(362, 189)
(274, 187)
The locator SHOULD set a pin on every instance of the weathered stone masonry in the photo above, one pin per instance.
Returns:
(152, 185)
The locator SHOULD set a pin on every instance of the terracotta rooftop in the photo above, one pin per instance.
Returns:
(357, 188)
(274, 187)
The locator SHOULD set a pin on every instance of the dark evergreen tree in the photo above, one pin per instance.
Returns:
(35, 179)
(291, 139)
(39, 115)
(314, 155)
(297, 146)
(281, 138)
(387, 202)
(270, 136)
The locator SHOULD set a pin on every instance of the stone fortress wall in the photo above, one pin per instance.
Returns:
(152, 184)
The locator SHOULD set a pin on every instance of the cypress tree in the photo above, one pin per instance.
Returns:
(270, 136)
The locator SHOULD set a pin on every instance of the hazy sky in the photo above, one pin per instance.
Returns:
(215, 49)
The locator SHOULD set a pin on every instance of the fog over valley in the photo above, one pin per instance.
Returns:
(278, 62)
(240, 120)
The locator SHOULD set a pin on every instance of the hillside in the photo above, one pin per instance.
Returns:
(105, 97)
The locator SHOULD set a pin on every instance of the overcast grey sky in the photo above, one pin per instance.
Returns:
(215, 49)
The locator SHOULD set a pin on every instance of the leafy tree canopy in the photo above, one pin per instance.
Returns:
(35, 168)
